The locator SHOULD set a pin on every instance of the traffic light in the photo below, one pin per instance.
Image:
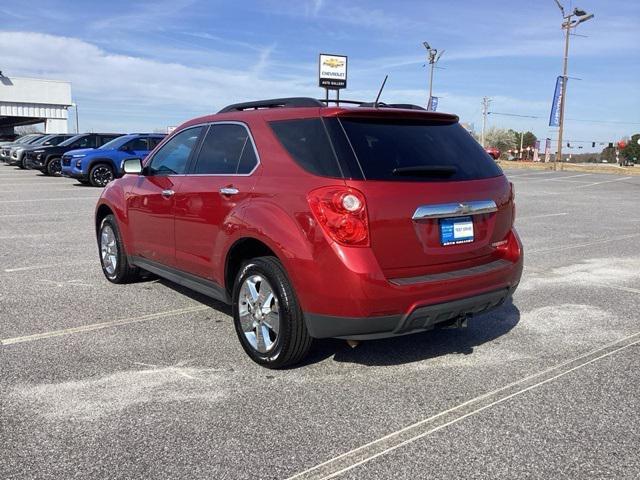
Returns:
(593, 144)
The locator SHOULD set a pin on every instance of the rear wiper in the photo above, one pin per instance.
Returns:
(426, 170)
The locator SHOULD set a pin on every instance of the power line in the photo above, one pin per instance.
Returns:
(512, 115)
(570, 119)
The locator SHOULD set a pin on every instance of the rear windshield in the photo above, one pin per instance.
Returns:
(418, 151)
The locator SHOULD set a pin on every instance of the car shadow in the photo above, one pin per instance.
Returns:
(208, 301)
(420, 346)
(397, 350)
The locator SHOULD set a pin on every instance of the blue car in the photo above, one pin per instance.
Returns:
(98, 166)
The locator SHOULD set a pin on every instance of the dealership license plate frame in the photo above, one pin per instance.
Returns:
(456, 230)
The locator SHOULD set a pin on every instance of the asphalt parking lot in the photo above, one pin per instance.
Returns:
(149, 381)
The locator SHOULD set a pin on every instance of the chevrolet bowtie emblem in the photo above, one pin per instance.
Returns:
(464, 208)
(333, 62)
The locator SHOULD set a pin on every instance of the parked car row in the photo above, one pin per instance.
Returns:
(91, 158)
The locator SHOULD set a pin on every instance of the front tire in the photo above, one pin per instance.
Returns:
(54, 167)
(100, 175)
(113, 258)
(267, 316)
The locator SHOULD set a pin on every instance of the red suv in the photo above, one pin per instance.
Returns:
(313, 221)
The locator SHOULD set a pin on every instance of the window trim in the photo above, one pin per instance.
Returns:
(192, 163)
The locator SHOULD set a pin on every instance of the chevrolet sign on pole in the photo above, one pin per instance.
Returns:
(333, 71)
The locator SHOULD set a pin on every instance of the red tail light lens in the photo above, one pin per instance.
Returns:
(342, 213)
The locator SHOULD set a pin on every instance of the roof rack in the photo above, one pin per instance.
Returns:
(407, 106)
(300, 102)
(273, 103)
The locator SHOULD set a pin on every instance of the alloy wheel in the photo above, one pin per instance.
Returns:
(109, 250)
(102, 175)
(259, 313)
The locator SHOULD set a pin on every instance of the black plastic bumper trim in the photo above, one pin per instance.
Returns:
(420, 319)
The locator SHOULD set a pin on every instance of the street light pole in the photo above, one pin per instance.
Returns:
(432, 58)
(567, 25)
(563, 94)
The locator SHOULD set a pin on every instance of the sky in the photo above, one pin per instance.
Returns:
(145, 65)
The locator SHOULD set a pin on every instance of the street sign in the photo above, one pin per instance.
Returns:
(332, 71)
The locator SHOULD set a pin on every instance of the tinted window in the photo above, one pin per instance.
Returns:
(108, 138)
(41, 140)
(227, 149)
(70, 141)
(56, 140)
(308, 144)
(423, 151)
(154, 141)
(173, 157)
(88, 141)
(137, 144)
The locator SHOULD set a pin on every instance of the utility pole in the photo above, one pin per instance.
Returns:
(567, 25)
(485, 112)
(432, 58)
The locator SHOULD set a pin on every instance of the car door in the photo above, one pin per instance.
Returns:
(222, 177)
(151, 202)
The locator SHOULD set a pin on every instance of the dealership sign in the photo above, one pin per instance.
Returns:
(333, 71)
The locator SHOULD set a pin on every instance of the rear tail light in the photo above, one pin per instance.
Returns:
(342, 214)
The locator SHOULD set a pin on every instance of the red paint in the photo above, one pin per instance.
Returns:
(195, 229)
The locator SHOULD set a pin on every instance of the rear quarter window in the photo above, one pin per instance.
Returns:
(308, 144)
(386, 147)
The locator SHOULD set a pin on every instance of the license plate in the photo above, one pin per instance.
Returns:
(454, 231)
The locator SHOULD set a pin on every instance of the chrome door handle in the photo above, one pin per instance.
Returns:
(229, 191)
(168, 193)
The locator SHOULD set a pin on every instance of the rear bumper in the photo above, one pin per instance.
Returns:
(420, 319)
(351, 298)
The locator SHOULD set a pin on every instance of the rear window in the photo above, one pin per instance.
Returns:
(418, 151)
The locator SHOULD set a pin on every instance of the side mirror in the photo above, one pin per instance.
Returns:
(132, 166)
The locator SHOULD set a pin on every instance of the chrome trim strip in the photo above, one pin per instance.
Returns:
(444, 210)
(455, 274)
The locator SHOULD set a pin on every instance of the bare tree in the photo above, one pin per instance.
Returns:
(27, 129)
(500, 138)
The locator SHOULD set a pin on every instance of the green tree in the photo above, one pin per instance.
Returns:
(608, 154)
(529, 139)
(632, 150)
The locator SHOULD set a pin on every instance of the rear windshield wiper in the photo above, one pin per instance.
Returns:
(426, 170)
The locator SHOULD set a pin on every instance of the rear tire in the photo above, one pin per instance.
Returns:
(54, 167)
(113, 258)
(267, 316)
(101, 174)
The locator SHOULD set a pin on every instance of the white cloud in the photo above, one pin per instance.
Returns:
(138, 93)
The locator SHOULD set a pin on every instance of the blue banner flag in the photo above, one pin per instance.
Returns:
(433, 104)
(554, 118)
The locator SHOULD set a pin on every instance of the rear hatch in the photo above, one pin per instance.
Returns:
(436, 201)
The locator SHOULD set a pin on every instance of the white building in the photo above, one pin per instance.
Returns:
(28, 101)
